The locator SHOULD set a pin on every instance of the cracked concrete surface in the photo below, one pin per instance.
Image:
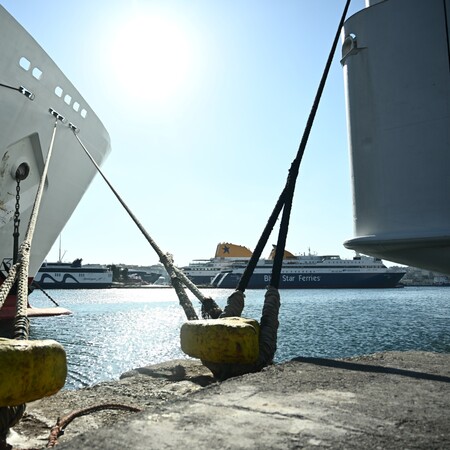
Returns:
(387, 400)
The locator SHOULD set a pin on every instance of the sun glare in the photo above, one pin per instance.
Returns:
(150, 57)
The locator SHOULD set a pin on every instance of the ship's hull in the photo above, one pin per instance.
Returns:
(26, 131)
(26, 128)
(71, 284)
(315, 280)
(395, 58)
(83, 278)
(201, 280)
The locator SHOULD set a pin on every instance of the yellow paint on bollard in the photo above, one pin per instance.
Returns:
(228, 340)
(30, 370)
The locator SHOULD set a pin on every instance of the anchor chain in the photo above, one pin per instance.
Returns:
(16, 232)
(9, 415)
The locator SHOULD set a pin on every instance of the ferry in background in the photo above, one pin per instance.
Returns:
(60, 275)
(202, 271)
(298, 272)
(34, 94)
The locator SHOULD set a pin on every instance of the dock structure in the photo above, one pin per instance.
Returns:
(387, 400)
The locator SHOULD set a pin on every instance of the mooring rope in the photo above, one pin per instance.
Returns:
(8, 283)
(235, 302)
(25, 247)
(286, 195)
(178, 278)
(10, 415)
(38, 286)
(293, 172)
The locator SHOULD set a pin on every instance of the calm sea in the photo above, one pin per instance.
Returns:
(115, 330)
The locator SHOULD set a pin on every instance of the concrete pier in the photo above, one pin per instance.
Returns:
(381, 401)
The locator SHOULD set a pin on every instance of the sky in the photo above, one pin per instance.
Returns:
(205, 102)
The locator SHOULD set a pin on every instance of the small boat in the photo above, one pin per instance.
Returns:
(60, 275)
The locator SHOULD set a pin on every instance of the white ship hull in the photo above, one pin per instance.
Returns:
(61, 275)
(26, 129)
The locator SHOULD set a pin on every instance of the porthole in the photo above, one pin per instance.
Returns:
(37, 73)
(24, 63)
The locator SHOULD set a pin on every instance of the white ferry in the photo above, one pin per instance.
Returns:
(315, 272)
(298, 272)
(203, 271)
(74, 275)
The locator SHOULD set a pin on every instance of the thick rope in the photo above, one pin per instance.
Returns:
(293, 172)
(8, 283)
(38, 286)
(25, 248)
(267, 341)
(269, 318)
(9, 416)
(290, 183)
(235, 305)
(269, 327)
(209, 306)
(177, 277)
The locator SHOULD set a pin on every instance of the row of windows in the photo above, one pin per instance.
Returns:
(59, 92)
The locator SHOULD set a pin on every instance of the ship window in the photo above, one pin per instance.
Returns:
(24, 63)
(58, 91)
(37, 73)
(76, 106)
(83, 113)
(68, 99)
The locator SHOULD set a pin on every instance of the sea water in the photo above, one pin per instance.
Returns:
(112, 331)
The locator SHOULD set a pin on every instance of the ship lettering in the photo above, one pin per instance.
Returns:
(309, 278)
(288, 278)
(267, 278)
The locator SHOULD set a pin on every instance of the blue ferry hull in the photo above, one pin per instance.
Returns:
(201, 280)
(316, 281)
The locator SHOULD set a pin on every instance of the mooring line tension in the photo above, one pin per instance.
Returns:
(178, 278)
(269, 318)
(293, 172)
(284, 201)
(10, 415)
(38, 286)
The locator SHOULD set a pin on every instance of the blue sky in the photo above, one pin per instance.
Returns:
(205, 102)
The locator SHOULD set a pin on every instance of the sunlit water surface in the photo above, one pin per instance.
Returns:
(112, 331)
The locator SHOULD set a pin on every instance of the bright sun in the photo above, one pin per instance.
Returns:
(150, 57)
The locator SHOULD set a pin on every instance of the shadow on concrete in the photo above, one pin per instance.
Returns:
(175, 374)
(371, 368)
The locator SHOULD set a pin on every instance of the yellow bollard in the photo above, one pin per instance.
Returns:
(232, 340)
(30, 370)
